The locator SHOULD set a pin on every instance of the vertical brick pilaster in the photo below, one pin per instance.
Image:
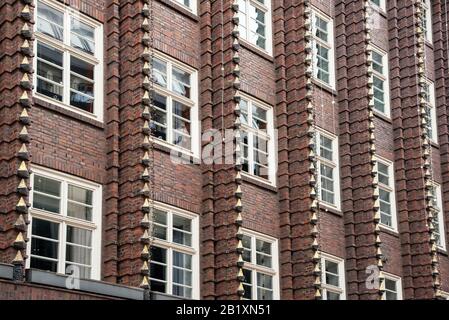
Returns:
(16, 69)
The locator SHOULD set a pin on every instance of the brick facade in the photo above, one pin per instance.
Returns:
(110, 152)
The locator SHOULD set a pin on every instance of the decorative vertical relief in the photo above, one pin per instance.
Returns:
(238, 150)
(23, 155)
(147, 160)
(372, 142)
(425, 142)
(312, 145)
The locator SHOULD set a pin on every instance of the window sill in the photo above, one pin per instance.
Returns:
(167, 148)
(442, 251)
(6, 271)
(179, 8)
(323, 86)
(389, 231)
(72, 114)
(328, 209)
(382, 116)
(249, 46)
(257, 182)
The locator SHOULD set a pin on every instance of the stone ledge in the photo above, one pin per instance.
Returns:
(6, 271)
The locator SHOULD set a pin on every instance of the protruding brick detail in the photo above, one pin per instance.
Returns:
(16, 72)
(355, 148)
(133, 159)
(409, 160)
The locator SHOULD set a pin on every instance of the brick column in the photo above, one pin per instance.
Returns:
(16, 68)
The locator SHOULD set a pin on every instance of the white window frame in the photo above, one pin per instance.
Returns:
(191, 102)
(398, 281)
(329, 45)
(171, 246)
(431, 102)
(428, 33)
(391, 189)
(193, 5)
(385, 77)
(268, 26)
(63, 220)
(271, 147)
(341, 276)
(445, 295)
(439, 203)
(381, 6)
(335, 164)
(68, 50)
(255, 268)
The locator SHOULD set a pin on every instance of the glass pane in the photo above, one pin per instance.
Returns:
(181, 110)
(181, 140)
(247, 275)
(158, 271)
(181, 82)
(333, 296)
(80, 194)
(82, 36)
(158, 254)
(83, 102)
(182, 291)
(331, 267)
(326, 147)
(42, 264)
(46, 229)
(44, 248)
(78, 254)
(157, 286)
(49, 54)
(182, 238)
(264, 281)
(51, 73)
(45, 203)
(160, 232)
(391, 295)
(160, 72)
(182, 223)
(263, 260)
(81, 67)
(181, 276)
(79, 236)
(390, 285)
(48, 186)
(82, 85)
(160, 217)
(182, 260)
(263, 294)
(263, 246)
(50, 21)
(49, 89)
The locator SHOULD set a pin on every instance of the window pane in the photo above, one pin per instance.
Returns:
(78, 254)
(44, 248)
(182, 238)
(42, 264)
(82, 36)
(46, 185)
(79, 211)
(49, 54)
(377, 62)
(79, 236)
(49, 89)
(80, 194)
(50, 21)
(263, 246)
(160, 72)
(321, 29)
(84, 271)
(181, 82)
(158, 271)
(81, 67)
(182, 260)
(247, 284)
(182, 223)
(46, 229)
(82, 85)
(333, 296)
(326, 147)
(83, 102)
(158, 286)
(182, 291)
(45, 203)
(158, 254)
(159, 117)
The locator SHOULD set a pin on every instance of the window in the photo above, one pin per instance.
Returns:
(257, 139)
(379, 3)
(380, 82)
(69, 57)
(393, 288)
(328, 170)
(175, 108)
(427, 20)
(387, 199)
(323, 49)
(188, 4)
(429, 90)
(260, 268)
(255, 23)
(65, 224)
(174, 261)
(333, 277)
(438, 218)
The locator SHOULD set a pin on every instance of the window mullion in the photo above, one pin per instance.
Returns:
(169, 271)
